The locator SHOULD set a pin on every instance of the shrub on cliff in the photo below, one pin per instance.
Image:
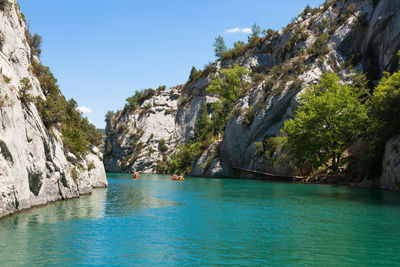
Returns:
(230, 87)
(162, 146)
(139, 97)
(56, 111)
(330, 118)
(319, 46)
(25, 88)
(34, 42)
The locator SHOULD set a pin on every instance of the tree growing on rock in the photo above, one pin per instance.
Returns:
(230, 86)
(330, 118)
(219, 47)
(194, 74)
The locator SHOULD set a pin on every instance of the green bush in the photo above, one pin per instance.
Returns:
(34, 42)
(249, 116)
(6, 79)
(74, 175)
(162, 146)
(239, 49)
(182, 161)
(350, 9)
(138, 98)
(259, 148)
(25, 87)
(169, 111)
(162, 167)
(319, 47)
(91, 166)
(183, 100)
(161, 88)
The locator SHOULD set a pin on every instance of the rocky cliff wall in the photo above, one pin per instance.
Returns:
(340, 36)
(34, 169)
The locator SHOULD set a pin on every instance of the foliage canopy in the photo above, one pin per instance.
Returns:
(330, 117)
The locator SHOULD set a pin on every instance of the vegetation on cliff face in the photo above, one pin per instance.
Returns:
(330, 118)
(332, 115)
(55, 111)
(230, 87)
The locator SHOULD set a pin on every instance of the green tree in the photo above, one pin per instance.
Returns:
(24, 90)
(255, 34)
(330, 117)
(194, 74)
(230, 87)
(161, 88)
(109, 115)
(238, 44)
(219, 47)
(203, 123)
(34, 42)
(255, 31)
(386, 105)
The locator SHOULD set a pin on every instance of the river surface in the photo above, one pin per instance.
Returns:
(156, 221)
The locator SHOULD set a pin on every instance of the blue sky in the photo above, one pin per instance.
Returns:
(102, 51)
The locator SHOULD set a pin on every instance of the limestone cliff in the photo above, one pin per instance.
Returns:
(35, 167)
(341, 36)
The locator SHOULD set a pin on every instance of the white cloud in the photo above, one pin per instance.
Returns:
(84, 109)
(237, 30)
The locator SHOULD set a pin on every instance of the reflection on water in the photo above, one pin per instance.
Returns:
(154, 221)
(131, 196)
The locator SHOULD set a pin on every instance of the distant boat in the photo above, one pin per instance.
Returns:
(177, 178)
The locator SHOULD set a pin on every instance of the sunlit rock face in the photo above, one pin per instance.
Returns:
(366, 40)
(34, 169)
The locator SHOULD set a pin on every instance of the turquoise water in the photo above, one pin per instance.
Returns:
(156, 221)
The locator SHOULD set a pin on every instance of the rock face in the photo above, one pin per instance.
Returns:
(339, 36)
(133, 138)
(33, 167)
(390, 178)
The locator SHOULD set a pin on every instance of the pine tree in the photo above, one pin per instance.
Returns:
(194, 73)
(219, 47)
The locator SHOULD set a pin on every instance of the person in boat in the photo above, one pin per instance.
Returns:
(174, 177)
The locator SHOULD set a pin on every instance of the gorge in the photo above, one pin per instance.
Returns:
(157, 127)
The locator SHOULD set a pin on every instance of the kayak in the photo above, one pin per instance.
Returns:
(177, 178)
